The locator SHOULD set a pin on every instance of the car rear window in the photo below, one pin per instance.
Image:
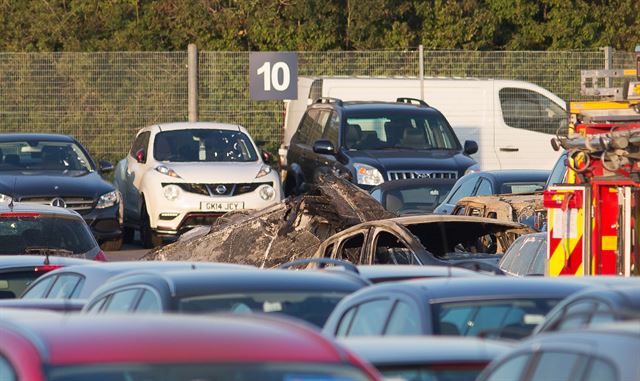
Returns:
(516, 188)
(13, 284)
(33, 233)
(314, 307)
(514, 318)
(241, 371)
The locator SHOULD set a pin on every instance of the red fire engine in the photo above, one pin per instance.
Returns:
(593, 219)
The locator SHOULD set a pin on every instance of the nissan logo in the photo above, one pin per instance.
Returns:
(58, 202)
(221, 189)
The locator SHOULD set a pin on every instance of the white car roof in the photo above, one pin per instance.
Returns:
(194, 125)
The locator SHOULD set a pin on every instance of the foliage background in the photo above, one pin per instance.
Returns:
(99, 70)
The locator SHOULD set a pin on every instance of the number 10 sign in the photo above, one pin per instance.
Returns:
(273, 75)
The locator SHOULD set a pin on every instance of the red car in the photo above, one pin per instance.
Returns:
(48, 346)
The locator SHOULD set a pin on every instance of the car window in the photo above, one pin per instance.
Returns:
(332, 130)
(602, 314)
(511, 369)
(524, 187)
(64, 286)
(369, 318)
(522, 258)
(96, 306)
(148, 302)
(556, 366)
(6, 370)
(398, 128)
(345, 322)
(377, 195)
(351, 248)
(576, 314)
(34, 233)
(404, 320)
(509, 255)
(328, 251)
(122, 301)
(38, 290)
(141, 142)
(42, 155)
(391, 250)
(309, 131)
(558, 172)
(203, 145)
(465, 189)
(484, 188)
(510, 317)
(526, 109)
(600, 370)
(537, 266)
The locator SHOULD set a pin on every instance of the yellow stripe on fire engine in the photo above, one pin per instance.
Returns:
(566, 246)
(609, 242)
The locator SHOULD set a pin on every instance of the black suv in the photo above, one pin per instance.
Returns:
(373, 142)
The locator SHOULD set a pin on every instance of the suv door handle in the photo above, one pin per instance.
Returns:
(509, 149)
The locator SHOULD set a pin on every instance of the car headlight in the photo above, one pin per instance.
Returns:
(167, 171)
(267, 192)
(171, 192)
(108, 199)
(367, 175)
(264, 170)
(472, 169)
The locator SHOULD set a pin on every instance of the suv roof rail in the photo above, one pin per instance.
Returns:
(412, 101)
(328, 100)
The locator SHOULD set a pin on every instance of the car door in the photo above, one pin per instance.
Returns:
(133, 175)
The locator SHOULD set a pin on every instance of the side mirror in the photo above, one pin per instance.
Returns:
(470, 147)
(105, 166)
(141, 156)
(267, 157)
(260, 142)
(324, 147)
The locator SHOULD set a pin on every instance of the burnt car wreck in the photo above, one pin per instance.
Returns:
(338, 220)
(290, 230)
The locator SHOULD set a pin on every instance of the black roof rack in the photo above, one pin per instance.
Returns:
(328, 100)
(412, 101)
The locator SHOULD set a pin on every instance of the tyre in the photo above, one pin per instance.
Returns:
(128, 234)
(111, 245)
(150, 238)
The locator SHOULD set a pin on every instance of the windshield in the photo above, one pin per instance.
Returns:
(238, 371)
(385, 129)
(504, 317)
(313, 307)
(204, 145)
(437, 372)
(417, 199)
(40, 155)
(13, 284)
(33, 233)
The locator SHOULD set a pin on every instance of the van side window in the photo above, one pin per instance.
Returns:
(526, 109)
(307, 126)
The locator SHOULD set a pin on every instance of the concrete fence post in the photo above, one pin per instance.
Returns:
(192, 82)
(608, 63)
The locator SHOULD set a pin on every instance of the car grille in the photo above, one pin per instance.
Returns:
(418, 174)
(219, 189)
(79, 204)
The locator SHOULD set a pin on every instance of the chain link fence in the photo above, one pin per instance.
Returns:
(104, 98)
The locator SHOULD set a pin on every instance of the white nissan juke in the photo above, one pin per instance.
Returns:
(180, 175)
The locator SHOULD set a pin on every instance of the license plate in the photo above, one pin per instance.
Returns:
(221, 206)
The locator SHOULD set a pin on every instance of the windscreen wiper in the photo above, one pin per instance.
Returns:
(44, 250)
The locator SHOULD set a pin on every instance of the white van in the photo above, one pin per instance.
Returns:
(512, 121)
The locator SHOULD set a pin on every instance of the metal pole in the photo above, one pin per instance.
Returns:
(608, 63)
(192, 82)
(421, 71)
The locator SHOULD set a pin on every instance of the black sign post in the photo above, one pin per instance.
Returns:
(273, 75)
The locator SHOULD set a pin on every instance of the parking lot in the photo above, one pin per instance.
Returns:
(292, 191)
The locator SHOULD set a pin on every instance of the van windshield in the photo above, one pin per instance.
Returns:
(399, 129)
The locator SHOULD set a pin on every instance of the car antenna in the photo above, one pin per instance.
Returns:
(448, 271)
(14, 192)
(46, 258)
